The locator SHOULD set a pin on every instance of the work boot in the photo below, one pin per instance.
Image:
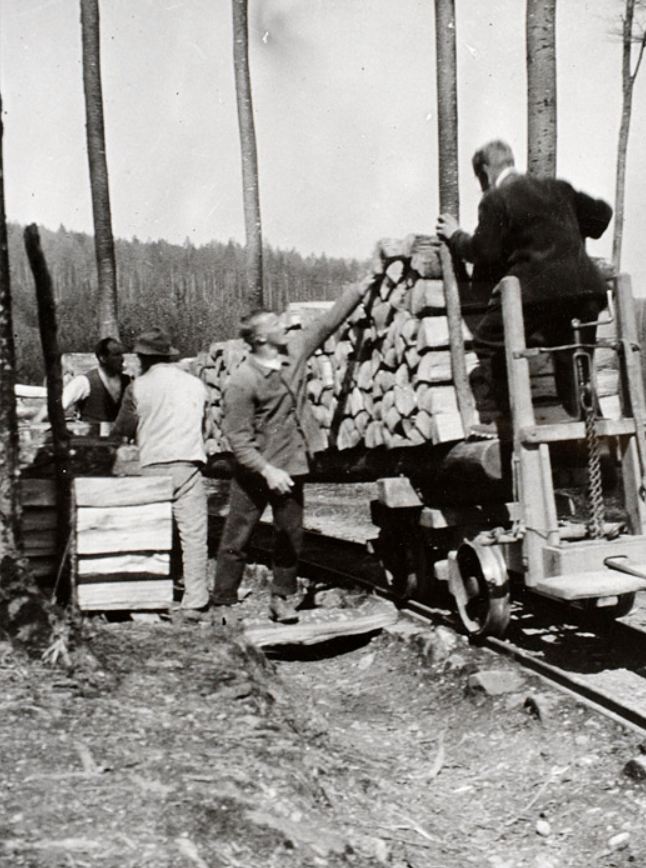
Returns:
(283, 609)
(179, 615)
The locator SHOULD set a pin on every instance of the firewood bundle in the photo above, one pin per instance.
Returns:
(384, 379)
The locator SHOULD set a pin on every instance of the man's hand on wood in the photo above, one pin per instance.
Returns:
(277, 480)
(447, 226)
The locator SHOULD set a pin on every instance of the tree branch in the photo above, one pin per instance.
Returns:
(642, 46)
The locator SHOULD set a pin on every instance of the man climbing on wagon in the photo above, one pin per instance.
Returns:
(533, 229)
(272, 433)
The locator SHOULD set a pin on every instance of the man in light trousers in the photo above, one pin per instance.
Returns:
(164, 410)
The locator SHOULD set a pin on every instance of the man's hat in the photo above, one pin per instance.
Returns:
(155, 342)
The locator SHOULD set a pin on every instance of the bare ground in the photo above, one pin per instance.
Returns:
(188, 747)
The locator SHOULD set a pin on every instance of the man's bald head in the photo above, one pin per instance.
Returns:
(490, 160)
(262, 327)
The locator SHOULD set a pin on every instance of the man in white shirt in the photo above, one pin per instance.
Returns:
(164, 410)
(96, 395)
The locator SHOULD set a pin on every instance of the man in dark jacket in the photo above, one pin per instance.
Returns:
(272, 433)
(535, 230)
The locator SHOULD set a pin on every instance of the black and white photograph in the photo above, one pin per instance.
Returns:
(322, 433)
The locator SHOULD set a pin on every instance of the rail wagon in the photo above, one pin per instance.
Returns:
(556, 504)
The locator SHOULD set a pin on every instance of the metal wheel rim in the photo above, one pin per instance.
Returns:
(484, 609)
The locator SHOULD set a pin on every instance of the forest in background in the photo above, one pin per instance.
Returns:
(196, 293)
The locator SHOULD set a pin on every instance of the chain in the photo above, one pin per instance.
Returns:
(595, 487)
(595, 490)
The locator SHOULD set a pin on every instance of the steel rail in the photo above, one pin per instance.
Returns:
(560, 678)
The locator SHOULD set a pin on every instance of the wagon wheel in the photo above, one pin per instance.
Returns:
(481, 589)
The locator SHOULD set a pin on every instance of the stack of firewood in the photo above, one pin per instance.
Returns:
(385, 378)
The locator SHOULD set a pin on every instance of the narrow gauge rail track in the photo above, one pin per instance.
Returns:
(601, 665)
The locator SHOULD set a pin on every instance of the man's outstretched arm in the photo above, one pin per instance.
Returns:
(325, 325)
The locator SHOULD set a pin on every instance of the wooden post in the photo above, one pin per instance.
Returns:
(460, 376)
(49, 339)
(632, 404)
(532, 461)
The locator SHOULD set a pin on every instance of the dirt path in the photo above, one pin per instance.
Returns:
(189, 748)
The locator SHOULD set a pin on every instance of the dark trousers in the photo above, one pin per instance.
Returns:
(248, 499)
(546, 324)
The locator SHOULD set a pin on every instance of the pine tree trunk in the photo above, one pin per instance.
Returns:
(23, 613)
(541, 87)
(96, 151)
(9, 506)
(447, 106)
(250, 180)
(624, 129)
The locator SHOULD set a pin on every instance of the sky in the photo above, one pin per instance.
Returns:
(345, 108)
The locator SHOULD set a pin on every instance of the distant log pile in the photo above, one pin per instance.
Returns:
(386, 379)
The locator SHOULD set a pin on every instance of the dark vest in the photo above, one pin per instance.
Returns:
(100, 406)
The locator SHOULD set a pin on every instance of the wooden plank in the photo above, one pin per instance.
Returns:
(534, 486)
(36, 518)
(576, 557)
(459, 365)
(587, 585)
(321, 625)
(575, 430)
(156, 564)
(108, 491)
(37, 492)
(22, 391)
(123, 529)
(123, 596)
(39, 543)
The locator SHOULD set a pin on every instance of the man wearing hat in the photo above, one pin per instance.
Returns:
(164, 410)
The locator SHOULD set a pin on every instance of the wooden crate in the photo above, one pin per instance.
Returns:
(38, 523)
(122, 542)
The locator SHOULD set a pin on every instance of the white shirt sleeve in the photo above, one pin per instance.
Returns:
(76, 390)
